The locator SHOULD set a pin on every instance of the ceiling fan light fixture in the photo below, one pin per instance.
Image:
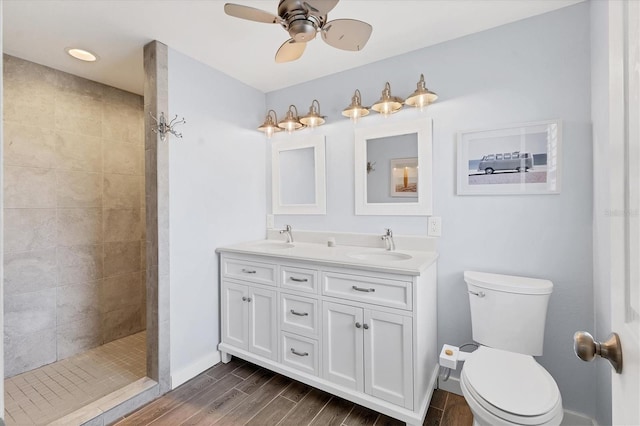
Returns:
(422, 97)
(290, 122)
(355, 110)
(269, 127)
(313, 118)
(387, 104)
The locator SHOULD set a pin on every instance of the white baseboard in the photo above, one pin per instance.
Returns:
(451, 385)
(192, 370)
(571, 418)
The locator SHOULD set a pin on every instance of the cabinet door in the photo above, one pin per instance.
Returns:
(342, 345)
(263, 332)
(235, 314)
(388, 357)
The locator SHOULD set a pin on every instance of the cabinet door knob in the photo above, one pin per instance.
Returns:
(248, 299)
(358, 325)
(365, 326)
(244, 299)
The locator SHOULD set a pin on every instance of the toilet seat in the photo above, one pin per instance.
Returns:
(512, 387)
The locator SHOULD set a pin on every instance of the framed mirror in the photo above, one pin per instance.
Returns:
(393, 169)
(298, 176)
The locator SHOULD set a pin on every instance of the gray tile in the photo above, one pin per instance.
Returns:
(78, 303)
(120, 323)
(29, 312)
(123, 158)
(122, 191)
(78, 189)
(26, 187)
(119, 292)
(28, 104)
(79, 226)
(78, 114)
(29, 271)
(122, 225)
(122, 123)
(121, 258)
(120, 97)
(79, 264)
(77, 337)
(71, 84)
(26, 352)
(28, 146)
(78, 152)
(29, 229)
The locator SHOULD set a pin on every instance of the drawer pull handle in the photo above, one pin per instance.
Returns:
(300, 314)
(249, 271)
(366, 290)
(293, 351)
(299, 280)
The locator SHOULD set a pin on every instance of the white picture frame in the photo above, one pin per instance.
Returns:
(515, 159)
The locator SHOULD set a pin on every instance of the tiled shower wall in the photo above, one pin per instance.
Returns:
(74, 215)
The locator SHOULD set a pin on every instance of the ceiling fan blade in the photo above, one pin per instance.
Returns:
(346, 34)
(250, 13)
(290, 51)
(320, 7)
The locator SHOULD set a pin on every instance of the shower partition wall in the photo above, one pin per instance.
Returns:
(74, 206)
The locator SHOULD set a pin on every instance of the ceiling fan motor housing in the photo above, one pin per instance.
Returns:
(301, 25)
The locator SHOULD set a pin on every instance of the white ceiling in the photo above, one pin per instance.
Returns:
(39, 30)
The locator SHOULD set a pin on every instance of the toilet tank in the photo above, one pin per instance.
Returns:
(508, 312)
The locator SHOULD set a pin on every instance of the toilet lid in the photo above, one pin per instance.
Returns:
(511, 382)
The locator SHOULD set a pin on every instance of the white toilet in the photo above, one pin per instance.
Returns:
(501, 381)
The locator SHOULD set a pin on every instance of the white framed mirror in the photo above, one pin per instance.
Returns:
(298, 179)
(393, 169)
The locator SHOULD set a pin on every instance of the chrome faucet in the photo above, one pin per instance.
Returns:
(287, 231)
(388, 240)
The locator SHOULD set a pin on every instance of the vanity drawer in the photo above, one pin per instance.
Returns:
(377, 291)
(299, 279)
(249, 270)
(299, 314)
(300, 353)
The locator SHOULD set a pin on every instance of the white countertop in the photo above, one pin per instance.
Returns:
(407, 262)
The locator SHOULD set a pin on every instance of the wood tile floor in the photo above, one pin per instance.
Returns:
(241, 393)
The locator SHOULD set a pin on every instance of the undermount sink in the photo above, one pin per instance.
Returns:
(274, 245)
(380, 256)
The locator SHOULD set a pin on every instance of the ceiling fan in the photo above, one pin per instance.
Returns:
(303, 19)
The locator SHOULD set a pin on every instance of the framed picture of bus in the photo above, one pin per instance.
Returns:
(514, 159)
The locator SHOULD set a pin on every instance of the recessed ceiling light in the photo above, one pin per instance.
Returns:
(82, 54)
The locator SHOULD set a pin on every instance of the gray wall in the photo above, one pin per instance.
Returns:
(217, 198)
(534, 69)
(74, 215)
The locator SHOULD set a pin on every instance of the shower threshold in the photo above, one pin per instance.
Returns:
(77, 389)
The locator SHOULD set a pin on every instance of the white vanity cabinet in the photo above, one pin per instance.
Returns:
(365, 334)
(369, 351)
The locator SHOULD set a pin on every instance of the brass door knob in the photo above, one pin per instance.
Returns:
(586, 348)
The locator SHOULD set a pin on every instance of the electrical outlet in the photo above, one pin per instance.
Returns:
(271, 222)
(434, 224)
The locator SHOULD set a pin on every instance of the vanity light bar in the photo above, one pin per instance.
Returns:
(291, 121)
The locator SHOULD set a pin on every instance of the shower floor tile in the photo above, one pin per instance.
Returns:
(52, 391)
